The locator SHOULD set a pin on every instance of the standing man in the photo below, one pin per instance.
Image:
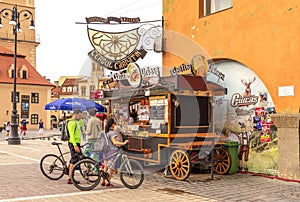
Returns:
(244, 149)
(92, 130)
(74, 140)
(41, 128)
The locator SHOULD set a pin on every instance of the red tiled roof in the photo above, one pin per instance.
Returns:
(55, 92)
(69, 82)
(7, 60)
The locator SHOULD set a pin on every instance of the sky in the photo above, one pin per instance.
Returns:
(64, 45)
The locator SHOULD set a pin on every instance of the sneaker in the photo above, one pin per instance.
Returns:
(70, 181)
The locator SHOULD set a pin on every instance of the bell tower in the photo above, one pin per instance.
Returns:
(27, 42)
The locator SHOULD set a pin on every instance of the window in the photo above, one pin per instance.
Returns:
(25, 106)
(34, 98)
(63, 89)
(92, 87)
(17, 96)
(75, 89)
(34, 119)
(83, 90)
(11, 74)
(24, 74)
(207, 7)
(69, 89)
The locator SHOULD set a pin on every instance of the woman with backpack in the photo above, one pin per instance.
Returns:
(114, 142)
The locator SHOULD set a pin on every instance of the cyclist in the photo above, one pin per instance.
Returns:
(114, 143)
(74, 140)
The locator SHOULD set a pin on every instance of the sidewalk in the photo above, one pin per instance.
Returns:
(22, 180)
(34, 134)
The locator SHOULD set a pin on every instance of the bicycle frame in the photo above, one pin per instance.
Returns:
(119, 155)
(62, 154)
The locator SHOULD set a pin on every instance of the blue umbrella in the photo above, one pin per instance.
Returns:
(69, 104)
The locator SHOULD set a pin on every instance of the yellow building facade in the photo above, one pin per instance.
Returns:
(33, 90)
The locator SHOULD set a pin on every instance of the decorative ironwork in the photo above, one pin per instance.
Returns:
(148, 33)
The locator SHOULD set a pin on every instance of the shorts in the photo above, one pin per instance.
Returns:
(41, 130)
(75, 157)
(244, 150)
(23, 128)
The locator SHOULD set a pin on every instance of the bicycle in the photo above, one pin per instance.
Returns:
(92, 172)
(55, 167)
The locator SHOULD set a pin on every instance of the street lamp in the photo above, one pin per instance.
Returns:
(15, 18)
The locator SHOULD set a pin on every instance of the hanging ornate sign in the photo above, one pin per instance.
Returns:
(199, 67)
(112, 19)
(116, 50)
(134, 75)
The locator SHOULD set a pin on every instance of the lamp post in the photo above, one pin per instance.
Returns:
(15, 17)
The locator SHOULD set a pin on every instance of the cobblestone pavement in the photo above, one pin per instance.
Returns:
(21, 180)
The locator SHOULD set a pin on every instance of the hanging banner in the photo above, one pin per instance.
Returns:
(116, 50)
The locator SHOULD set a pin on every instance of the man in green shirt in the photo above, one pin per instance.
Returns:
(74, 140)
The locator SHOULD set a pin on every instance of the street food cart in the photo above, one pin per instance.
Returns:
(172, 124)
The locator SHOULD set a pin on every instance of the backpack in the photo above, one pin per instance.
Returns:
(65, 135)
(101, 143)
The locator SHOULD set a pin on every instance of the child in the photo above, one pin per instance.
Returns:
(7, 129)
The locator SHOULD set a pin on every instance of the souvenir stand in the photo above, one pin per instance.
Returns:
(171, 124)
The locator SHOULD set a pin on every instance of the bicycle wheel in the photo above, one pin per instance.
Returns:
(86, 176)
(52, 167)
(131, 174)
(82, 171)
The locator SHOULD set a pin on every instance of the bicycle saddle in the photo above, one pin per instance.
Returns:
(56, 143)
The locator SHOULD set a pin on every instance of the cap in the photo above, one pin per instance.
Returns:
(77, 111)
(242, 125)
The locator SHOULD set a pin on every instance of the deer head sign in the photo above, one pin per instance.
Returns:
(247, 83)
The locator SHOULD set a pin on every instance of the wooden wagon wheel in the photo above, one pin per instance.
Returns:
(180, 164)
(221, 161)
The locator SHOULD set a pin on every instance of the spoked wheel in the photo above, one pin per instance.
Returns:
(52, 167)
(85, 175)
(180, 164)
(131, 174)
(221, 161)
(81, 171)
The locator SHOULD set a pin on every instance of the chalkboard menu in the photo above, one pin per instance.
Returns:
(158, 109)
(157, 112)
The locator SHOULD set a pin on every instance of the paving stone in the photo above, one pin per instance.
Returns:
(22, 179)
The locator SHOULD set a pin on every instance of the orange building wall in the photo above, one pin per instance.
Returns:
(261, 34)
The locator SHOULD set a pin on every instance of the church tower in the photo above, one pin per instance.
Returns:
(26, 39)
